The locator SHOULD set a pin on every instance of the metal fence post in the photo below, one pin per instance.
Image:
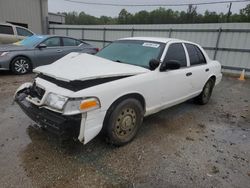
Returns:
(170, 32)
(217, 42)
(104, 36)
(132, 32)
(82, 33)
(67, 31)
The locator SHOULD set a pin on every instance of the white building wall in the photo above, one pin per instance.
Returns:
(31, 12)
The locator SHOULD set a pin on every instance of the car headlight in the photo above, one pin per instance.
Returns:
(3, 53)
(76, 106)
(55, 101)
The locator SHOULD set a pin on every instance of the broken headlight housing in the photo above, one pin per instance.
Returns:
(55, 101)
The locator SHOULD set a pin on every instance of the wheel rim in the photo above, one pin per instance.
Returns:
(21, 66)
(125, 123)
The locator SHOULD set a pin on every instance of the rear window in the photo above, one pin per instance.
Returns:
(4, 29)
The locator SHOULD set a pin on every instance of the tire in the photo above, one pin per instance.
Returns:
(123, 121)
(206, 93)
(20, 65)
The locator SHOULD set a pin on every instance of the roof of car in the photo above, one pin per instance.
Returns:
(153, 39)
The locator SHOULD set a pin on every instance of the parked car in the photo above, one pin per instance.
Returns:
(11, 33)
(131, 78)
(37, 50)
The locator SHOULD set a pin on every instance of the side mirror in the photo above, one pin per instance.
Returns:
(170, 65)
(153, 64)
(42, 45)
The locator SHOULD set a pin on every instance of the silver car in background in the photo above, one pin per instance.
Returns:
(10, 33)
(37, 50)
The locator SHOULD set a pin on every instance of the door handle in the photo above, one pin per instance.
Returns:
(189, 74)
(207, 70)
(58, 51)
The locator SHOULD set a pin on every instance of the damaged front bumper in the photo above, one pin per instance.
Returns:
(62, 125)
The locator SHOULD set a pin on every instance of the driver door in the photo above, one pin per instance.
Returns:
(51, 53)
(175, 85)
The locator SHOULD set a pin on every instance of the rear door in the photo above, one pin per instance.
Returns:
(199, 69)
(70, 45)
(51, 53)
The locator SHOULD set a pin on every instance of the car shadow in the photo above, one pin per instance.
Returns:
(5, 72)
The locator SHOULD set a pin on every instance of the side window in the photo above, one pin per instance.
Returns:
(70, 42)
(4, 29)
(23, 32)
(53, 42)
(176, 52)
(195, 55)
(78, 42)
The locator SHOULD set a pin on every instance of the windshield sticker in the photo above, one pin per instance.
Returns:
(152, 45)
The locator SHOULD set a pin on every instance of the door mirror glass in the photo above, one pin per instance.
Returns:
(170, 65)
(153, 64)
(42, 45)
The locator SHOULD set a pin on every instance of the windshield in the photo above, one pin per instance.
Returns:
(31, 41)
(134, 52)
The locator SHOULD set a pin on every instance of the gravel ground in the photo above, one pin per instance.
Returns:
(184, 146)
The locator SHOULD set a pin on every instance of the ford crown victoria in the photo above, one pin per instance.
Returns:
(81, 94)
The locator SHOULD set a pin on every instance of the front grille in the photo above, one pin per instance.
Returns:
(36, 91)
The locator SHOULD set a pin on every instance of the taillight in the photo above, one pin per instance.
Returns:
(97, 49)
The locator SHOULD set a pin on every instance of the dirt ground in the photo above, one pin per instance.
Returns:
(185, 146)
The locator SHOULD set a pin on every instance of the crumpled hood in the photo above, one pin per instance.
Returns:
(81, 66)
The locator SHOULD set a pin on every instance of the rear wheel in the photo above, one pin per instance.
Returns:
(206, 93)
(123, 122)
(20, 65)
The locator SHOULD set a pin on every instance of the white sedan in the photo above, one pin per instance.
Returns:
(81, 95)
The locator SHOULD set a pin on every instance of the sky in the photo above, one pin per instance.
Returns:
(65, 6)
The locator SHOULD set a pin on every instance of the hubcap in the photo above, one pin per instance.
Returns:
(21, 65)
(125, 123)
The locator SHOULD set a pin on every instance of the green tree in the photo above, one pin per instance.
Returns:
(191, 13)
(124, 17)
(245, 13)
(158, 16)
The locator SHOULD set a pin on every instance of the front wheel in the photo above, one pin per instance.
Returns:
(21, 65)
(123, 122)
(206, 93)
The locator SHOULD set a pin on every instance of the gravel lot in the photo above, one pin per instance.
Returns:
(185, 146)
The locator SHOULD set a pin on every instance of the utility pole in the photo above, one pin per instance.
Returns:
(229, 11)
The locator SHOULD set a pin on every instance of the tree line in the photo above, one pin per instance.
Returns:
(159, 16)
